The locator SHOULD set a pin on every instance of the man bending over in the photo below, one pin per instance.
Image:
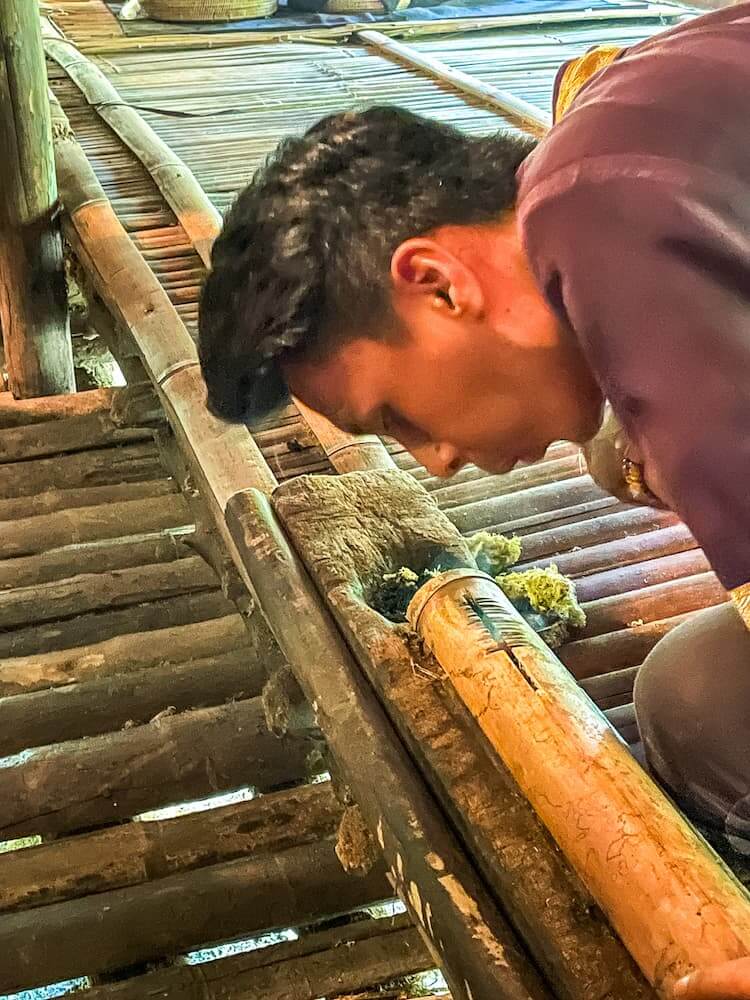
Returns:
(480, 297)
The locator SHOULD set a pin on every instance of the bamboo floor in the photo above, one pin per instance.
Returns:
(130, 681)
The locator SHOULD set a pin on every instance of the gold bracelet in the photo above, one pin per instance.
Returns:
(741, 598)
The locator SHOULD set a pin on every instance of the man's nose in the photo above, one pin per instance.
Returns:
(442, 460)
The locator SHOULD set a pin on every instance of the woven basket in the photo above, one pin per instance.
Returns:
(208, 10)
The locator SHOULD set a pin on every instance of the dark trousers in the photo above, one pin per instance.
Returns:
(692, 699)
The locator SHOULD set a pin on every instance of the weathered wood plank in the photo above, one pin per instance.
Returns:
(93, 782)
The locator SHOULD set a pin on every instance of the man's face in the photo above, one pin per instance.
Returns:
(473, 368)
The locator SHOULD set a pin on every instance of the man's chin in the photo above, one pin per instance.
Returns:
(502, 466)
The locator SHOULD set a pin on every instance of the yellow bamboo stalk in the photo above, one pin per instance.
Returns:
(674, 904)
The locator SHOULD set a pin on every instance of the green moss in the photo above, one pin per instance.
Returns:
(398, 588)
(545, 591)
(494, 553)
(544, 597)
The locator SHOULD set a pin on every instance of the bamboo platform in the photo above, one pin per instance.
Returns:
(131, 681)
(129, 678)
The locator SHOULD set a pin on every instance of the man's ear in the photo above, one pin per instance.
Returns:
(422, 266)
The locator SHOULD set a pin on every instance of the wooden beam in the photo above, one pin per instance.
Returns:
(135, 853)
(93, 782)
(670, 899)
(112, 930)
(33, 298)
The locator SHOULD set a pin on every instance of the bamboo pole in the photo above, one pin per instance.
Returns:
(674, 905)
(528, 115)
(126, 653)
(105, 705)
(351, 531)
(20, 412)
(96, 430)
(79, 525)
(107, 555)
(112, 930)
(143, 850)
(376, 951)
(104, 591)
(426, 864)
(55, 500)
(173, 178)
(97, 467)
(69, 633)
(105, 779)
(33, 301)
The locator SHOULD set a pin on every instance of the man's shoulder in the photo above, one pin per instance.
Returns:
(678, 98)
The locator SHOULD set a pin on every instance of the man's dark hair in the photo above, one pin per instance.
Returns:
(304, 254)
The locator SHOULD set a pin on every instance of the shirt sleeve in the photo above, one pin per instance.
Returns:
(654, 279)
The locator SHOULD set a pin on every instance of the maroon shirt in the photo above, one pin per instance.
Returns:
(635, 212)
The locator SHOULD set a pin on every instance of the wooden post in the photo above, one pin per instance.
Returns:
(670, 899)
(33, 302)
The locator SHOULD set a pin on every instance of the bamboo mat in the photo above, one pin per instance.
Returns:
(223, 111)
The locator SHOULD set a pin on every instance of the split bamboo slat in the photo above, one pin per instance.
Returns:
(475, 947)
(674, 906)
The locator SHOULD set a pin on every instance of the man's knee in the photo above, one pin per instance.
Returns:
(692, 697)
